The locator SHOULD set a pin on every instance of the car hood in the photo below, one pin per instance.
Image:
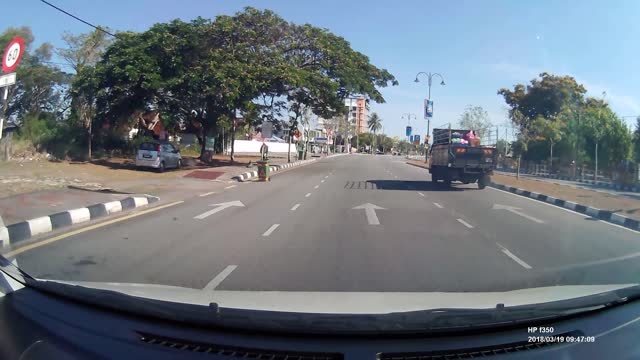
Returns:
(325, 302)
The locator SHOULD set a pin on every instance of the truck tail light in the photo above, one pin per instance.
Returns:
(488, 151)
(460, 150)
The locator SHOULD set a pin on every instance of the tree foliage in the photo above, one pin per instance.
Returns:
(475, 118)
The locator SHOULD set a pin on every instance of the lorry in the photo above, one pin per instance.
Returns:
(451, 159)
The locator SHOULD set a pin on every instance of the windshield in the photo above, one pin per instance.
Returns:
(323, 157)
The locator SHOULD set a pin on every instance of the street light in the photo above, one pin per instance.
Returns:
(429, 82)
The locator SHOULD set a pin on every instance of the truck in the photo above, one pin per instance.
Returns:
(452, 160)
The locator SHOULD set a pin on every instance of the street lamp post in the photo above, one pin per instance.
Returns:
(408, 117)
(429, 82)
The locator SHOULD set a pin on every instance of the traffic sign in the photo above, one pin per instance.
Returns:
(12, 54)
(6, 80)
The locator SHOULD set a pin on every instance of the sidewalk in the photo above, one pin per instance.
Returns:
(622, 205)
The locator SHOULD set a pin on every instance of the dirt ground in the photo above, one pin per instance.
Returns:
(622, 205)
(17, 177)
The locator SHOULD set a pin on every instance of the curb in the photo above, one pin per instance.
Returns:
(604, 215)
(274, 169)
(26, 229)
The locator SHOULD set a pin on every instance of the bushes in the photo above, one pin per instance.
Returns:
(61, 139)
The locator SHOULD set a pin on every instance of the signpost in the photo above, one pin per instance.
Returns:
(10, 60)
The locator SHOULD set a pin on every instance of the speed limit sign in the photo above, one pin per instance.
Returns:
(12, 54)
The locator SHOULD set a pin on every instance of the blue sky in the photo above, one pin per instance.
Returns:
(479, 46)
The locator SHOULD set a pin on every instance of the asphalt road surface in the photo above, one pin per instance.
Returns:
(348, 223)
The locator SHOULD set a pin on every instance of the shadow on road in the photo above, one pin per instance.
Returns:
(415, 185)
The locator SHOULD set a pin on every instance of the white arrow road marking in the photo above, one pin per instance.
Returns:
(516, 211)
(220, 207)
(219, 278)
(465, 223)
(370, 210)
(270, 230)
(513, 257)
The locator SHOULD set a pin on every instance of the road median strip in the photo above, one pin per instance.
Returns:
(250, 175)
(604, 215)
(25, 230)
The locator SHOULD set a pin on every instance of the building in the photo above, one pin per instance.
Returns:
(358, 113)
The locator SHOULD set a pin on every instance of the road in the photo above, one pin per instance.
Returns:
(348, 223)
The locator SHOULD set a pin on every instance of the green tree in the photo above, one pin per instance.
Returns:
(475, 118)
(82, 53)
(549, 130)
(636, 141)
(375, 124)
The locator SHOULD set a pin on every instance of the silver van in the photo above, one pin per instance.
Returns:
(159, 156)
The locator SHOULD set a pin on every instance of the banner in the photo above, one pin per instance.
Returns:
(411, 139)
(428, 108)
(408, 130)
(416, 139)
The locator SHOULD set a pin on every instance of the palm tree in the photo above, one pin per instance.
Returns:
(375, 124)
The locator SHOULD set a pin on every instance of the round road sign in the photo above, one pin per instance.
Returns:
(12, 54)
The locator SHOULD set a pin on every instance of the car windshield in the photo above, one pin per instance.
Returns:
(323, 157)
(148, 146)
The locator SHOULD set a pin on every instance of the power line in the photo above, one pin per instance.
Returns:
(79, 19)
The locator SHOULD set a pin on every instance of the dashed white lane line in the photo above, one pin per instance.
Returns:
(322, 180)
(421, 194)
(271, 229)
(465, 223)
(295, 207)
(220, 277)
(437, 205)
(395, 176)
(326, 176)
(230, 186)
(308, 194)
(317, 186)
(513, 257)
(207, 193)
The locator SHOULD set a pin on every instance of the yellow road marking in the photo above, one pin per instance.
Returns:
(85, 229)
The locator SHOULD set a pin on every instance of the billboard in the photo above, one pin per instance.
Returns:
(408, 130)
(416, 139)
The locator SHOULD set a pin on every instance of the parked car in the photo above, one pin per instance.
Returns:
(158, 155)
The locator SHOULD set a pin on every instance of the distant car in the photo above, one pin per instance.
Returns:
(158, 155)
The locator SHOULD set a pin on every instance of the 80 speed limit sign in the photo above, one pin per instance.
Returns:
(12, 54)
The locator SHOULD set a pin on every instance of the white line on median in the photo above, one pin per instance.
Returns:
(513, 257)
(421, 194)
(213, 284)
(230, 186)
(271, 229)
(465, 223)
(317, 186)
(308, 194)
(564, 209)
(437, 205)
(207, 193)
(295, 207)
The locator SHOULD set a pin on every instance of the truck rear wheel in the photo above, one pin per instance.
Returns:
(483, 182)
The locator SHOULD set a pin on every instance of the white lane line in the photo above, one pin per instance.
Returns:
(565, 209)
(513, 257)
(270, 230)
(295, 207)
(437, 205)
(593, 263)
(421, 194)
(317, 186)
(308, 194)
(230, 186)
(219, 278)
(207, 193)
(322, 180)
(465, 223)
